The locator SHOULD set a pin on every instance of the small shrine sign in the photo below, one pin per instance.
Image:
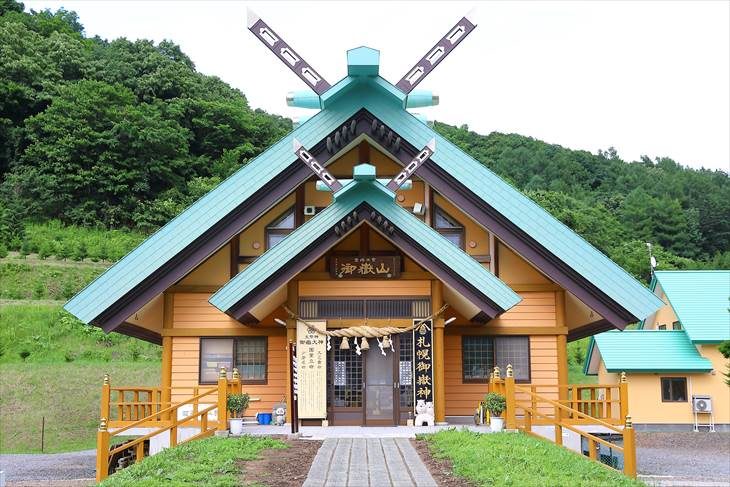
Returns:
(368, 267)
(312, 371)
(423, 362)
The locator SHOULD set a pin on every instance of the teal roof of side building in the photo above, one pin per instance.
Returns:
(347, 97)
(382, 201)
(645, 351)
(701, 301)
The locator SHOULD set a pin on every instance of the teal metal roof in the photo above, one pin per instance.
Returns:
(556, 237)
(701, 301)
(647, 351)
(343, 100)
(346, 200)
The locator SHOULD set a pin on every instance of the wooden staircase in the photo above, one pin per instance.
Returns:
(124, 409)
(576, 408)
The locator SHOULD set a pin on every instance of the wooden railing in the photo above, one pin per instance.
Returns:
(527, 408)
(139, 407)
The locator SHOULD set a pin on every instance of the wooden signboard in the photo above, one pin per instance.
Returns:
(311, 371)
(371, 267)
(423, 359)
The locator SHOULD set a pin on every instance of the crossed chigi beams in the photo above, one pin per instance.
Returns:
(319, 85)
(334, 185)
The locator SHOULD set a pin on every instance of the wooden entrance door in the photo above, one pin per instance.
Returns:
(371, 389)
(381, 387)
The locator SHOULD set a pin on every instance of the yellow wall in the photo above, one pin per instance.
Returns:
(253, 238)
(513, 269)
(645, 399)
(664, 316)
(473, 232)
(215, 271)
(150, 315)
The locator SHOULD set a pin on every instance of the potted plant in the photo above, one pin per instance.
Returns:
(237, 404)
(495, 404)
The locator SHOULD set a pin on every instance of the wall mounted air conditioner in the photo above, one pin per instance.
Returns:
(701, 404)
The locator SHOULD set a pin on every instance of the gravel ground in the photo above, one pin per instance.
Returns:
(31, 469)
(684, 456)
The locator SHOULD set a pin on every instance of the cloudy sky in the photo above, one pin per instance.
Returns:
(644, 77)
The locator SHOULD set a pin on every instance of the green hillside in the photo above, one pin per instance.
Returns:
(122, 134)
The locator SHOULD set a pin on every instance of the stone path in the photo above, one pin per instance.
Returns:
(368, 462)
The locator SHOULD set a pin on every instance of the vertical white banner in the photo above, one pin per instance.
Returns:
(312, 370)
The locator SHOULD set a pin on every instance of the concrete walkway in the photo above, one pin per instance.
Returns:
(368, 462)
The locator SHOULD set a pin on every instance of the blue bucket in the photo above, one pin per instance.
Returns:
(263, 418)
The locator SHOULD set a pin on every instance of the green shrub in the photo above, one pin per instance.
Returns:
(495, 403)
(24, 354)
(237, 404)
(3, 251)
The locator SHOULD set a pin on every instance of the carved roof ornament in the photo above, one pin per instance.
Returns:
(318, 169)
(286, 53)
(436, 54)
(415, 163)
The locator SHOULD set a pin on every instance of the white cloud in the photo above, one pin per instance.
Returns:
(645, 77)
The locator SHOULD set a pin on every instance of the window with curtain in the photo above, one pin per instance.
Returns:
(247, 354)
(480, 353)
(448, 227)
(278, 229)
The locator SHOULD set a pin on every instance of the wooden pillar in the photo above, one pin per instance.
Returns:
(105, 412)
(510, 414)
(629, 449)
(439, 390)
(292, 302)
(222, 400)
(623, 396)
(562, 343)
(102, 451)
(166, 373)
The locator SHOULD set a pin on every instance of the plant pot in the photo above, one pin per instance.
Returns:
(496, 424)
(236, 426)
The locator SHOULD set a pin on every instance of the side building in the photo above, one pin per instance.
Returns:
(675, 370)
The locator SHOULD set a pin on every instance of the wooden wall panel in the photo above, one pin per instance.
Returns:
(192, 310)
(535, 309)
(185, 363)
(462, 399)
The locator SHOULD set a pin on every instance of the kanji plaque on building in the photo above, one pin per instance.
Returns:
(368, 267)
(312, 371)
(423, 360)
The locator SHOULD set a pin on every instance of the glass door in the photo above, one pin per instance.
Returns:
(345, 387)
(380, 388)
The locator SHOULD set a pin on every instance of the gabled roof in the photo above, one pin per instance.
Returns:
(379, 199)
(575, 256)
(701, 301)
(645, 351)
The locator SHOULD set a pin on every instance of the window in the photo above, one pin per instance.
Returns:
(479, 355)
(277, 230)
(448, 227)
(676, 325)
(674, 389)
(662, 327)
(250, 355)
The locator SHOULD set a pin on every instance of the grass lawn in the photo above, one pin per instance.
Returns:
(516, 459)
(67, 394)
(209, 462)
(576, 376)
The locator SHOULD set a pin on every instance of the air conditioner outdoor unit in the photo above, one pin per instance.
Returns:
(309, 210)
(701, 404)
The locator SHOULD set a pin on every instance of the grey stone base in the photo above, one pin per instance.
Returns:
(460, 419)
(223, 434)
(676, 427)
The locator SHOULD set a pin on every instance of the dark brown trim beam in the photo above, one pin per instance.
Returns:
(590, 329)
(137, 331)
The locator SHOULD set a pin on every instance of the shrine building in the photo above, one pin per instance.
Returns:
(423, 267)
